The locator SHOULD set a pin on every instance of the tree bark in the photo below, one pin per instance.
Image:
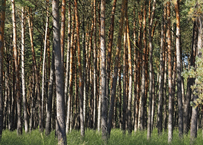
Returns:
(68, 114)
(18, 98)
(150, 70)
(103, 75)
(130, 79)
(95, 70)
(23, 70)
(170, 105)
(82, 129)
(60, 131)
(179, 66)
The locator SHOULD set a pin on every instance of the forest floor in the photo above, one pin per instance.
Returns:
(94, 138)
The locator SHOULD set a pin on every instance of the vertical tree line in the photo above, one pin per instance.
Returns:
(58, 73)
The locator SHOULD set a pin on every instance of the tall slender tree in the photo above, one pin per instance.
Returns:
(179, 66)
(170, 105)
(103, 74)
(60, 120)
(23, 70)
(150, 70)
(82, 129)
(18, 98)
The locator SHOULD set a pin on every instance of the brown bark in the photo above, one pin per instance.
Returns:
(109, 49)
(179, 66)
(82, 129)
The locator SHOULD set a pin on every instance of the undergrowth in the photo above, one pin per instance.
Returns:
(93, 137)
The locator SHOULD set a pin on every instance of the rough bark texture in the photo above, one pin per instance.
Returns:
(60, 120)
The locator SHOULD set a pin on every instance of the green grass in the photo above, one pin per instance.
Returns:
(94, 138)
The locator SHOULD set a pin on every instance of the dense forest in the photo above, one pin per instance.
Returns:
(101, 64)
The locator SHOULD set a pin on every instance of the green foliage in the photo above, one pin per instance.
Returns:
(196, 72)
(93, 137)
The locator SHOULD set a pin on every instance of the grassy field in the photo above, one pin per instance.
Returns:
(94, 138)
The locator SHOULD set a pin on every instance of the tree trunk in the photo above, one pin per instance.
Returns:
(23, 70)
(82, 129)
(110, 35)
(130, 78)
(142, 94)
(150, 71)
(179, 66)
(43, 67)
(170, 105)
(66, 89)
(95, 69)
(68, 114)
(49, 99)
(58, 74)
(18, 98)
(103, 75)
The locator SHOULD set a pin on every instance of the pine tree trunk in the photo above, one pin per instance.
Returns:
(142, 94)
(95, 70)
(23, 70)
(49, 99)
(60, 131)
(43, 67)
(170, 106)
(82, 129)
(68, 114)
(179, 66)
(18, 98)
(130, 79)
(150, 71)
